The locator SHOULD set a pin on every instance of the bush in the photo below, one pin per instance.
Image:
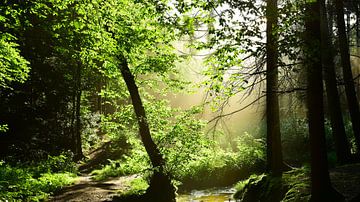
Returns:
(217, 167)
(35, 182)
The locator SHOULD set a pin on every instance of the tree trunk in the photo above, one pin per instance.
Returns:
(161, 188)
(274, 151)
(357, 12)
(347, 73)
(79, 154)
(321, 189)
(73, 117)
(338, 130)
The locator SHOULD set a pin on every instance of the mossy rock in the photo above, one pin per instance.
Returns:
(294, 185)
(262, 188)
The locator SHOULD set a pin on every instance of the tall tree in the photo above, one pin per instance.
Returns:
(347, 72)
(321, 189)
(274, 151)
(336, 118)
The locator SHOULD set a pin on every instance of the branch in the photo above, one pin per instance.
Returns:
(236, 111)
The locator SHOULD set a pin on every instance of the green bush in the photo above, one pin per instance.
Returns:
(214, 166)
(35, 182)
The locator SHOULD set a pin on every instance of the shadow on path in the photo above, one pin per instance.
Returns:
(88, 190)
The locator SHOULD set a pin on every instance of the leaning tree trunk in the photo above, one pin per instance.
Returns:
(274, 151)
(161, 188)
(347, 73)
(337, 123)
(321, 189)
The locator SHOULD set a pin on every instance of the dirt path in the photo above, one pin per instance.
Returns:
(85, 189)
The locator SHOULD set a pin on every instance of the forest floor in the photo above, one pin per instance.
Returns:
(87, 189)
(345, 179)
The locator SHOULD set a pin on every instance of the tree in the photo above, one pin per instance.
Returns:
(342, 146)
(161, 188)
(142, 45)
(351, 97)
(274, 151)
(321, 189)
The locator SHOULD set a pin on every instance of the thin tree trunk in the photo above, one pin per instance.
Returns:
(73, 117)
(338, 130)
(347, 73)
(274, 151)
(357, 12)
(321, 189)
(161, 188)
(73, 113)
(79, 154)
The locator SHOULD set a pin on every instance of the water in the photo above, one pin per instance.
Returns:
(209, 195)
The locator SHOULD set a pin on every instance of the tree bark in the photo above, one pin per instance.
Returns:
(357, 12)
(161, 188)
(347, 73)
(274, 151)
(342, 146)
(321, 189)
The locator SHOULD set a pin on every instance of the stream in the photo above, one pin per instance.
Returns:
(222, 194)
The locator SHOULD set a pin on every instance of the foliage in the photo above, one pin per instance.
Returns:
(54, 164)
(203, 164)
(217, 168)
(4, 128)
(135, 162)
(298, 182)
(232, 34)
(90, 130)
(13, 67)
(295, 140)
(35, 182)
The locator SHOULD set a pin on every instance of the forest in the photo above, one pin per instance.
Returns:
(180, 100)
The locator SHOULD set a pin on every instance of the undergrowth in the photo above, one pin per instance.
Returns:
(35, 181)
(208, 166)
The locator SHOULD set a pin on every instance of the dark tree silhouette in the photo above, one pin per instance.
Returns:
(78, 91)
(321, 189)
(347, 73)
(336, 118)
(274, 152)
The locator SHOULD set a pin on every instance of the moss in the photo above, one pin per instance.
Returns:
(298, 183)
